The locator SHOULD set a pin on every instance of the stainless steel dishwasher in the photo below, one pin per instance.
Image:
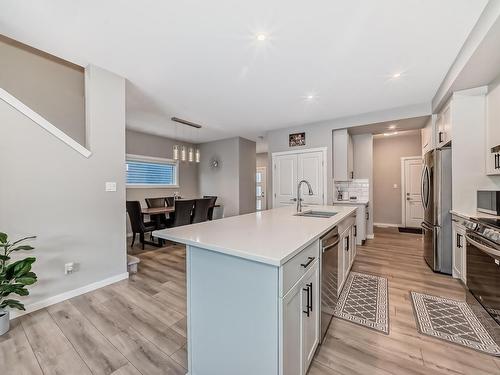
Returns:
(329, 275)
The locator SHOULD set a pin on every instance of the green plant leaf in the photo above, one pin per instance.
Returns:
(23, 247)
(3, 237)
(4, 257)
(26, 280)
(19, 268)
(12, 303)
(23, 239)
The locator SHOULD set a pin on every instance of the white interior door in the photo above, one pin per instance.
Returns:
(412, 172)
(260, 189)
(310, 168)
(284, 179)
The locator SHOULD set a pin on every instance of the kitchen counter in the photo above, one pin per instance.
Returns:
(477, 215)
(361, 202)
(271, 237)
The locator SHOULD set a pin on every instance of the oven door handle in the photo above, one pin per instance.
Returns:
(486, 249)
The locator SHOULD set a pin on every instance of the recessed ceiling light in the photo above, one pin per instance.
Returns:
(396, 75)
(261, 37)
(310, 97)
(389, 134)
(393, 126)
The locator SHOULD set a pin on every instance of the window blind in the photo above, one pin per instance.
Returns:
(150, 173)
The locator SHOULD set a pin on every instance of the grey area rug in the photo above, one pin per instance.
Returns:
(452, 321)
(364, 301)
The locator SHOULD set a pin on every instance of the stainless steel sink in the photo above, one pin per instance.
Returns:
(312, 213)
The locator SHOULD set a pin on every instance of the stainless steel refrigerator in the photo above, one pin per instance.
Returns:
(436, 200)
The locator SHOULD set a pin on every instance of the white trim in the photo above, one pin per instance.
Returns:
(39, 120)
(370, 236)
(386, 225)
(299, 151)
(302, 151)
(67, 295)
(153, 159)
(403, 186)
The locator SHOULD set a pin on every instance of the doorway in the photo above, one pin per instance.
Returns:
(260, 189)
(412, 210)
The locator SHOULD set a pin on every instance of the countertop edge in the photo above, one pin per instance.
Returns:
(244, 255)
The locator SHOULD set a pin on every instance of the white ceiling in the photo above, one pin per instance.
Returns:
(200, 60)
(399, 126)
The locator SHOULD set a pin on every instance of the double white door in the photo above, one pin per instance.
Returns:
(289, 169)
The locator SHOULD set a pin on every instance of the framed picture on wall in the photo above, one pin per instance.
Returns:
(297, 139)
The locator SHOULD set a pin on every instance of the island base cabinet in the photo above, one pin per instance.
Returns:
(300, 308)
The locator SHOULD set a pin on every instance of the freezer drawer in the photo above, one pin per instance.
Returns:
(429, 242)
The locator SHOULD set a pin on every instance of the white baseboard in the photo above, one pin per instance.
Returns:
(67, 295)
(386, 225)
(370, 236)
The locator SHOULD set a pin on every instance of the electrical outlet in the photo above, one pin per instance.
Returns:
(110, 186)
(69, 268)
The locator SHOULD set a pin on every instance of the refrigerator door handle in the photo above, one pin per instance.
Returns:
(422, 187)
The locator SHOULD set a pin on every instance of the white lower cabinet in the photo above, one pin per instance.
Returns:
(301, 323)
(459, 256)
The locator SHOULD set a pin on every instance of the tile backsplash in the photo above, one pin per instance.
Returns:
(359, 188)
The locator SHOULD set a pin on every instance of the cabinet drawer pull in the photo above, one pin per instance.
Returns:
(308, 298)
(310, 286)
(309, 261)
(440, 134)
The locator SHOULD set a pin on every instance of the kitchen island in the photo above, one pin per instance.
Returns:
(253, 289)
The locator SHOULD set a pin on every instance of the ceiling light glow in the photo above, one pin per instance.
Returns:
(261, 37)
(396, 75)
(393, 126)
(389, 134)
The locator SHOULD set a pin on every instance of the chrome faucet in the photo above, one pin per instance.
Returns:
(299, 199)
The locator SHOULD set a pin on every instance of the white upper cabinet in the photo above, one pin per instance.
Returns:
(444, 125)
(428, 135)
(343, 156)
(493, 130)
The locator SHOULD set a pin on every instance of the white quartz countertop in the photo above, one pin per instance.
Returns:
(475, 215)
(272, 237)
(359, 202)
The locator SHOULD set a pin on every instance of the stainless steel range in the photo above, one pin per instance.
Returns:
(483, 263)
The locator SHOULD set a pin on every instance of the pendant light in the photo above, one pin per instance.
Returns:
(197, 155)
(190, 154)
(183, 153)
(176, 152)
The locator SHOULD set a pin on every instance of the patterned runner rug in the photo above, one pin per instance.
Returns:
(364, 301)
(453, 321)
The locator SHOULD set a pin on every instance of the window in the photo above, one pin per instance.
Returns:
(148, 172)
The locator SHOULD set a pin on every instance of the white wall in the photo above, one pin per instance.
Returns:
(57, 194)
(469, 151)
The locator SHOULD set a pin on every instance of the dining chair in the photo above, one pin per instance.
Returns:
(182, 213)
(171, 201)
(139, 226)
(160, 219)
(212, 205)
(201, 208)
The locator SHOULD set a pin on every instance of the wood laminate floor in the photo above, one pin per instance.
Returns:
(138, 326)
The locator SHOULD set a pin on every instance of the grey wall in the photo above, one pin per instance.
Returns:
(59, 195)
(152, 145)
(387, 154)
(363, 167)
(247, 166)
(224, 181)
(52, 87)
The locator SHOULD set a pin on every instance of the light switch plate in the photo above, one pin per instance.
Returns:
(110, 186)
